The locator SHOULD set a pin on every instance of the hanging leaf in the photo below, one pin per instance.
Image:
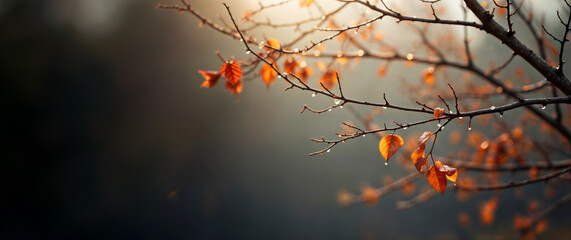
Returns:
(417, 154)
(382, 71)
(450, 172)
(273, 43)
(436, 179)
(438, 112)
(428, 76)
(234, 88)
(328, 79)
(210, 78)
(231, 71)
(422, 140)
(421, 162)
(290, 65)
(304, 73)
(389, 145)
(268, 74)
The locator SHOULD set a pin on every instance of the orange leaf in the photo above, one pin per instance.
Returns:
(210, 78)
(389, 145)
(541, 226)
(383, 70)
(502, 11)
(438, 112)
(290, 65)
(428, 76)
(417, 154)
(274, 43)
(304, 73)
(328, 79)
(234, 88)
(420, 163)
(231, 71)
(488, 211)
(436, 179)
(268, 74)
(450, 172)
(305, 3)
(422, 140)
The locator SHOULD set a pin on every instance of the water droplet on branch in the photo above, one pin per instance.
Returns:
(313, 94)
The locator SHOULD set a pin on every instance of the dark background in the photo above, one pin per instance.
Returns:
(103, 119)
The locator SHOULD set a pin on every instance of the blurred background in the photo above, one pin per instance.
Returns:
(107, 134)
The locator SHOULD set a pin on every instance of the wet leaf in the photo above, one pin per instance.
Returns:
(389, 145)
(450, 172)
(422, 140)
(436, 179)
(438, 112)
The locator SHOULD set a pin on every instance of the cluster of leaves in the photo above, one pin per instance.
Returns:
(437, 173)
(508, 150)
(231, 71)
